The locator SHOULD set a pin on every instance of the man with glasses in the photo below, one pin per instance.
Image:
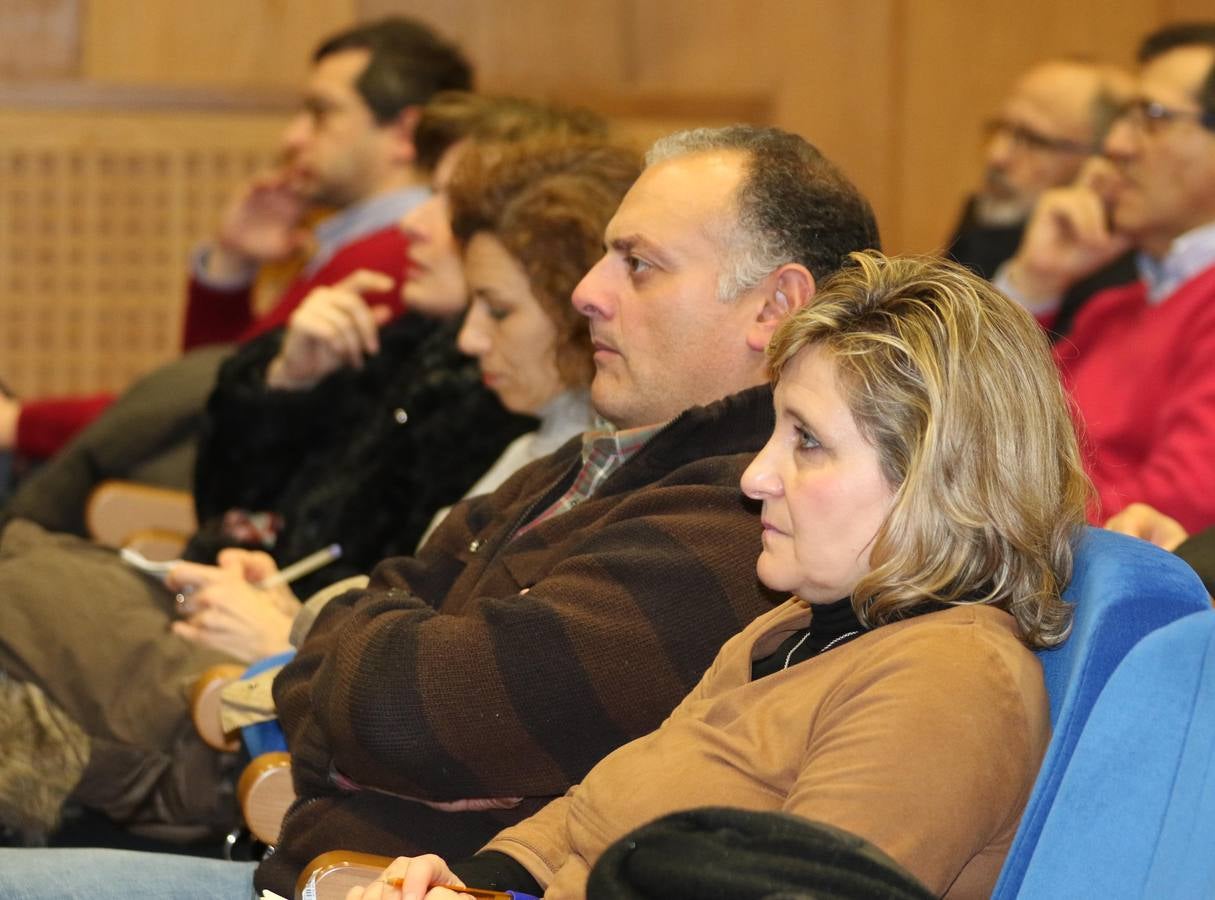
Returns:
(1052, 121)
(1140, 359)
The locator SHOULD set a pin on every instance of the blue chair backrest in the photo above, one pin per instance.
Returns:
(1122, 589)
(1134, 815)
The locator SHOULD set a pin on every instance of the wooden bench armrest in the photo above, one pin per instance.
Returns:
(334, 873)
(157, 544)
(264, 792)
(118, 509)
(205, 704)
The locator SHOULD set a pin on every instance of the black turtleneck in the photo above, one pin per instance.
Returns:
(829, 623)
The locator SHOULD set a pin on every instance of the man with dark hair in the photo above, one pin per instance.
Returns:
(350, 148)
(1054, 119)
(545, 624)
(1138, 361)
(1174, 36)
(408, 65)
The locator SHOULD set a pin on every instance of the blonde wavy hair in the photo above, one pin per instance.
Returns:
(954, 385)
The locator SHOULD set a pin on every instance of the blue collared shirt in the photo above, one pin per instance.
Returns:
(1188, 255)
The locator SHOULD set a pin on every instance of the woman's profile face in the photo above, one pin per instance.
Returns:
(821, 483)
(507, 329)
(434, 285)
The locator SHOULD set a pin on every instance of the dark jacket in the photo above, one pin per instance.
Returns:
(364, 459)
(747, 855)
(498, 664)
(1199, 551)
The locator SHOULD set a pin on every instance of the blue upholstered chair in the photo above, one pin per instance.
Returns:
(1134, 814)
(1122, 590)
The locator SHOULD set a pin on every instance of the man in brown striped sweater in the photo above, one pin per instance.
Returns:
(568, 612)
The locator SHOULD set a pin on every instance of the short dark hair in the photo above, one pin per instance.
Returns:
(793, 205)
(409, 64)
(548, 201)
(452, 116)
(1185, 34)
(1171, 37)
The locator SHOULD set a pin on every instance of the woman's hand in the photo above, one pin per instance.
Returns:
(332, 328)
(419, 876)
(222, 607)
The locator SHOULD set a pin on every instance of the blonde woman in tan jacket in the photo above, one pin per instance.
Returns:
(922, 492)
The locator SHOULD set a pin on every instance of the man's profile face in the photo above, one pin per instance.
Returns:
(1040, 139)
(1166, 165)
(663, 341)
(335, 152)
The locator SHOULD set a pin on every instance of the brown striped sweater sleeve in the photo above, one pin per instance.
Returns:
(504, 665)
(518, 693)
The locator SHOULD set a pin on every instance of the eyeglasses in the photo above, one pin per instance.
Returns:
(1030, 139)
(1152, 117)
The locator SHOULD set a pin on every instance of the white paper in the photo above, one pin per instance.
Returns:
(137, 560)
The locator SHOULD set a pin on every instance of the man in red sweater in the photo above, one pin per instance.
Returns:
(350, 149)
(1140, 359)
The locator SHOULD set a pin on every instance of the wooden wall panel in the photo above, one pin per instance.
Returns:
(819, 67)
(98, 214)
(839, 92)
(825, 65)
(39, 39)
(214, 43)
(534, 46)
(1185, 10)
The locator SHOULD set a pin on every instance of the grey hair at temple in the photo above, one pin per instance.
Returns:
(793, 204)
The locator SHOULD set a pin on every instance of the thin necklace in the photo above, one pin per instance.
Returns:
(831, 643)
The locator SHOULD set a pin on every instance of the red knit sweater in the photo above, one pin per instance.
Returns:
(217, 316)
(1143, 381)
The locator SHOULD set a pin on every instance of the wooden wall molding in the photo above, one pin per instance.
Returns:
(94, 97)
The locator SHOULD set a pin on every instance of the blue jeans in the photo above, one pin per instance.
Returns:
(71, 873)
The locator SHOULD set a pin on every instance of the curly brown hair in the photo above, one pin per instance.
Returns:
(452, 116)
(548, 201)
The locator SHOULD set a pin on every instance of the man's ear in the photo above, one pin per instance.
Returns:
(400, 132)
(783, 293)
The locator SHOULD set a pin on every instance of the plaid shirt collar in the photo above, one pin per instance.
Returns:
(604, 450)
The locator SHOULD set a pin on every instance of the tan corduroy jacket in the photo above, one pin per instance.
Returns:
(923, 737)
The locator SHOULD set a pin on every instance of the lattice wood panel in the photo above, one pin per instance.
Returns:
(98, 214)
